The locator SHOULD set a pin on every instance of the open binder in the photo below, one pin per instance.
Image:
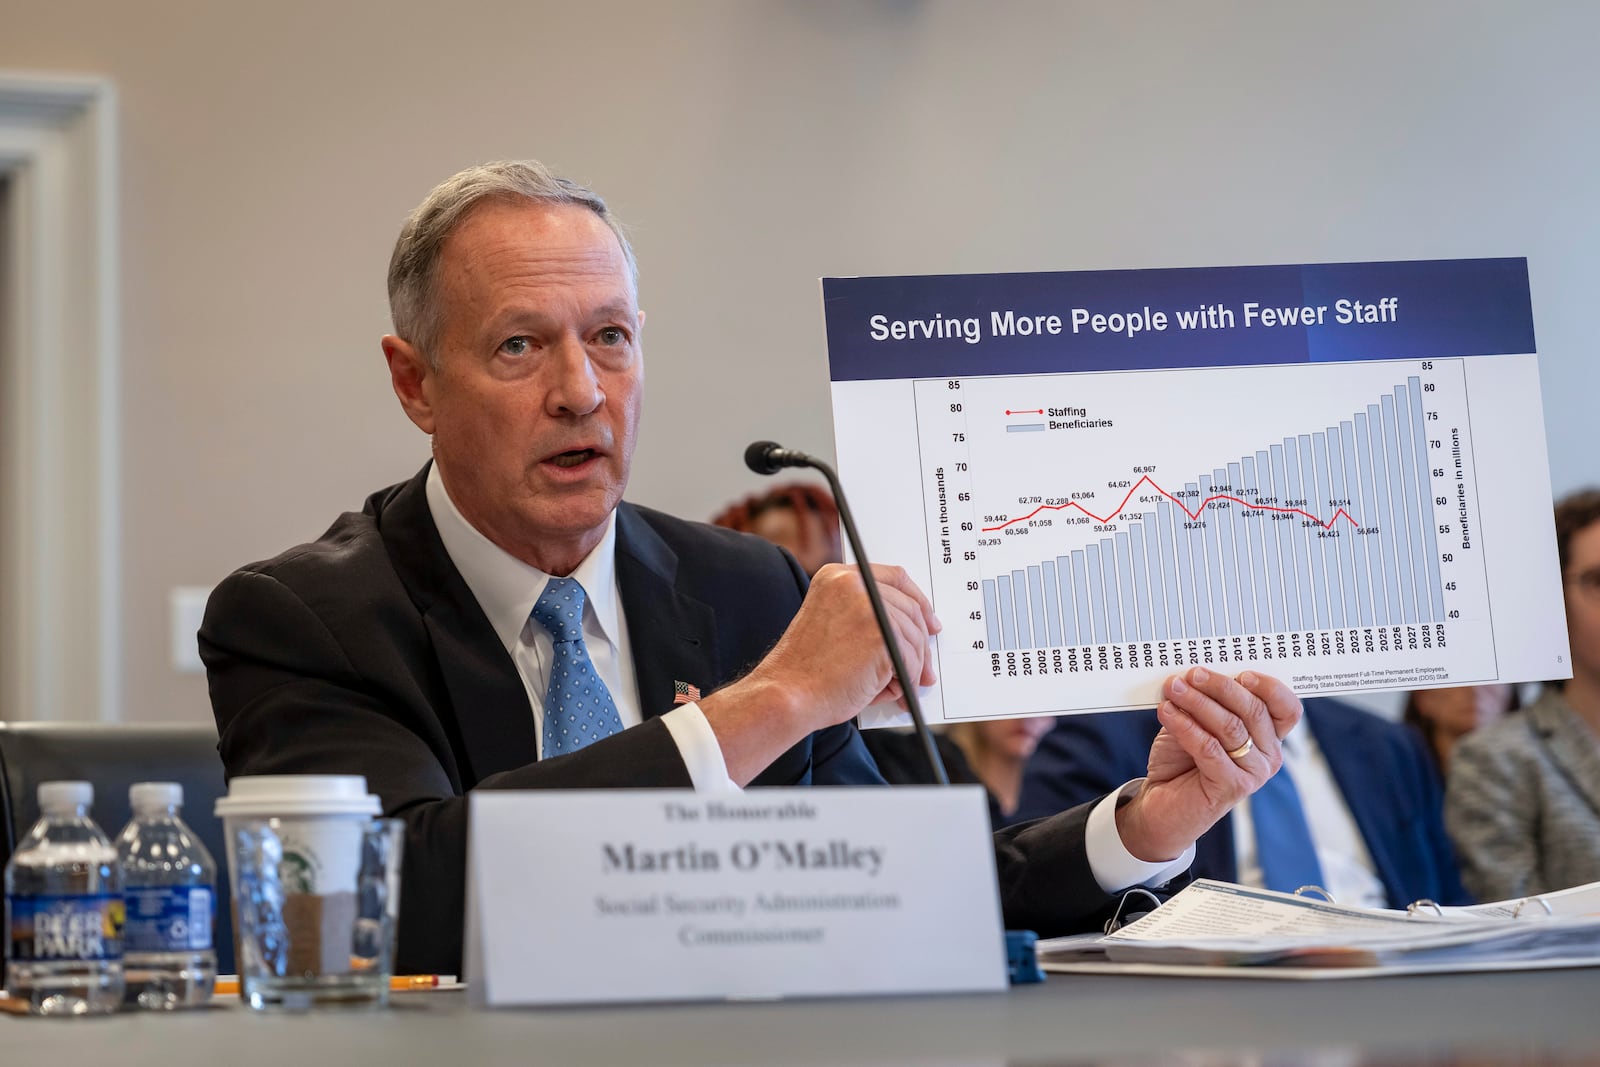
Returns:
(1218, 927)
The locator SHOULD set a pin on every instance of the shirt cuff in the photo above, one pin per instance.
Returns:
(1113, 866)
(697, 744)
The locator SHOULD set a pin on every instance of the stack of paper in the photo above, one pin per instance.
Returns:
(1259, 933)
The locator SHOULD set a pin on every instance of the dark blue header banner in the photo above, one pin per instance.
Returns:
(957, 325)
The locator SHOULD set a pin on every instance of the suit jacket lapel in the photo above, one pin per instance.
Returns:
(492, 723)
(1570, 744)
(673, 635)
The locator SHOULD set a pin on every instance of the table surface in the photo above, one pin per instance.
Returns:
(1528, 1017)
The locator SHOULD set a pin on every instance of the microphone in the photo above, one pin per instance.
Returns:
(769, 457)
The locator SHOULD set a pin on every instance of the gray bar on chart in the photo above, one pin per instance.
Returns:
(1036, 598)
(1412, 471)
(1153, 565)
(1195, 536)
(1008, 619)
(1282, 526)
(1108, 564)
(1097, 592)
(1214, 582)
(1019, 589)
(1141, 578)
(1222, 512)
(1324, 512)
(1381, 473)
(1080, 593)
(1369, 561)
(1401, 526)
(1425, 519)
(1130, 610)
(1314, 562)
(1141, 583)
(1069, 602)
(1295, 534)
(1271, 544)
(1169, 569)
(1242, 609)
(1185, 570)
(1269, 591)
(1416, 519)
(1255, 544)
(1025, 427)
(1052, 603)
(1344, 545)
(991, 615)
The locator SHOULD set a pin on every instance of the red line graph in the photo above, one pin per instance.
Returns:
(1195, 514)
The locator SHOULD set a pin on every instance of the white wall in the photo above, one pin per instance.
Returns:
(271, 151)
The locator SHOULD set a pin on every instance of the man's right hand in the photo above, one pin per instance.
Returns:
(832, 652)
(829, 665)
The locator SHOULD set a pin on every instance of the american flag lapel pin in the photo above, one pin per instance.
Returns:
(684, 693)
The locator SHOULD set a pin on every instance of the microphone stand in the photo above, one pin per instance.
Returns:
(907, 688)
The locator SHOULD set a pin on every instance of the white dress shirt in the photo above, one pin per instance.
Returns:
(1347, 870)
(507, 589)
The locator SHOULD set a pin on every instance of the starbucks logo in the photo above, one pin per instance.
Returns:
(297, 872)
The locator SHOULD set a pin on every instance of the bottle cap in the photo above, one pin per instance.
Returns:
(63, 796)
(274, 795)
(145, 796)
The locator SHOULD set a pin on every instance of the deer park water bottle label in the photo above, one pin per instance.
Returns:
(168, 919)
(47, 929)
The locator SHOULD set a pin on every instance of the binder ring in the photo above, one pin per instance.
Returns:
(1317, 890)
(1116, 922)
(1418, 906)
(1516, 912)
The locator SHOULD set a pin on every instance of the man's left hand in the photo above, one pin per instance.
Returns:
(1193, 779)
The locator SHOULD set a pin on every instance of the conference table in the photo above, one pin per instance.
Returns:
(1506, 1018)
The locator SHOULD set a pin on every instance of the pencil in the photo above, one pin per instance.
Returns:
(400, 983)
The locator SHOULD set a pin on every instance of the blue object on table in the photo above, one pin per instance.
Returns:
(1022, 957)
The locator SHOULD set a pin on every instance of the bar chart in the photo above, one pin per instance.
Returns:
(1104, 529)
(1322, 530)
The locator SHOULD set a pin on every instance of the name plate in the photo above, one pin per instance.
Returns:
(650, 895)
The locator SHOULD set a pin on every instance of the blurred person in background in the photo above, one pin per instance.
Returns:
(997, 750)
(1442, 717)
(992, 753)
(1523, 796)
(798, 516)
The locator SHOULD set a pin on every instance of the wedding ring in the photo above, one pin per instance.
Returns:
(1243, 750)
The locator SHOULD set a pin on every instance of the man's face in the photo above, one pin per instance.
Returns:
(534, 405)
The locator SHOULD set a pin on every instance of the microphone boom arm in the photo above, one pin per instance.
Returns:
(765, 457)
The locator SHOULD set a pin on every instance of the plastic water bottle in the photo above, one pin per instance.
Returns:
(64, 910)
(169, 881)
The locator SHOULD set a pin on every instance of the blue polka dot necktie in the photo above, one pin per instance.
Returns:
(578, 708)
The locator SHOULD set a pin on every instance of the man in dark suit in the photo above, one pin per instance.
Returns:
(1373, 801)
(504, 621)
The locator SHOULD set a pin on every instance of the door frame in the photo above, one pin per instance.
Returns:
(60, 507)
